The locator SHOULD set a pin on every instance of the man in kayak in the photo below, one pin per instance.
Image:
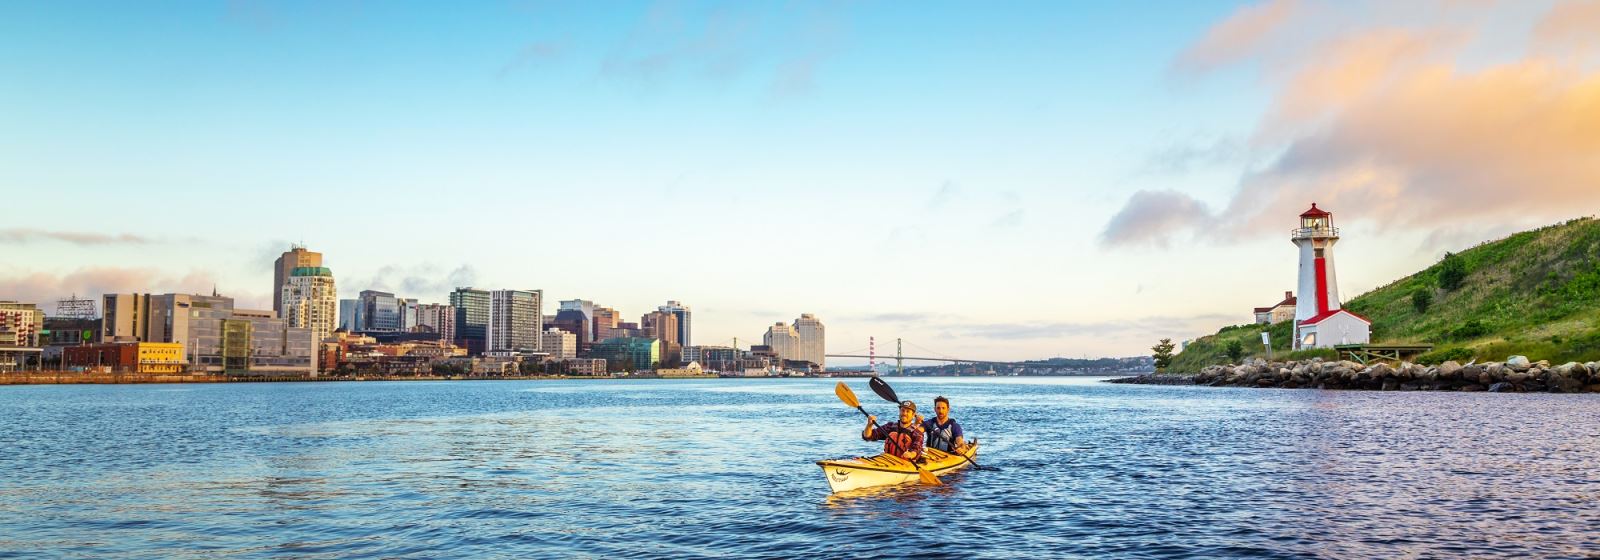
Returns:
(902, 439)
(944, 434)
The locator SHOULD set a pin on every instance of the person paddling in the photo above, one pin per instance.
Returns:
(903, 439)
(944, 433)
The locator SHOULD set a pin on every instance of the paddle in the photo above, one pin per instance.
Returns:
(849, 398)
(883, 389)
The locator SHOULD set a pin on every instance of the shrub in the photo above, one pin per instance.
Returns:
(1452, 270)
(1421, 299)
(1469, 330)
(1235, 350)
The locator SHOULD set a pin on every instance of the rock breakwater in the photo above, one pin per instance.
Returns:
(1516, 374)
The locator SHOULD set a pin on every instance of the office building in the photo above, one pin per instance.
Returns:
(629, 353)
(472, 318)
(681, 313)
(783, 340)
(350, 319)
(297, 256)
(380, 311)
(22, 323)
(440, 319)
(812, 340)
(605, 322)
(216, 337)
(559, 344)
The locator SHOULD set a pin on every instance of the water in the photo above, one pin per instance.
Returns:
(702, 468)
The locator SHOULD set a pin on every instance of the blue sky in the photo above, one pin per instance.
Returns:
(945, 172)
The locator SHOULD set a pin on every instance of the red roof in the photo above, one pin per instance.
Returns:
(1315, 212)
(1326, 314)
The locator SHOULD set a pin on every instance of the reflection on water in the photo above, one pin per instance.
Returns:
(654, 468)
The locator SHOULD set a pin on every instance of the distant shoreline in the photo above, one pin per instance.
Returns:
(80, 378)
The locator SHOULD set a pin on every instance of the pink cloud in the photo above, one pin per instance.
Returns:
(91, 283)
(1237, 36)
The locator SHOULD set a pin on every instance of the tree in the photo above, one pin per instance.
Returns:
(1235, 350)
(1452, 271)
(1421, 299)
(1163, 354)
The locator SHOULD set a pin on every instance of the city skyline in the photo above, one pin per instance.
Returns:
(998, 184)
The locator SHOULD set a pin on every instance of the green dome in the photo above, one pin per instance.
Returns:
(311, 271)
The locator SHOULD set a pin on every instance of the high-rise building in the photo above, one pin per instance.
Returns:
(408, 314)
(813, 340)
(605, 323)
(783, 340)
(515, 319)
(660, 325)
(127, 317)
(310, 301)
(350, 319)
(559, 344)
(680, 311)
(380, 311)
(472, 318)
(21, 323)
(296, 257)
(440, 319)
(581, 305)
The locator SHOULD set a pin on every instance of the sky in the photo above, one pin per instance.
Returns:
(996, 180)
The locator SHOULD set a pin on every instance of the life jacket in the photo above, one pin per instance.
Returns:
(943, 437)
(900, 440)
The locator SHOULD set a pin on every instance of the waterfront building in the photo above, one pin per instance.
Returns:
(635, 352)
(472, 318)
(1282, 311)
(216, 337)
(310, 301)
(126, 357)
(515, 320)
(408, 314)
(693, 369)
(297, 256)
(682, 315)
(23, 323)
(440, 319)
(716, 358)
(586, 366)
(812, 336)
(1319, 320)
(605, 322)
(783, 341)
(559, 344)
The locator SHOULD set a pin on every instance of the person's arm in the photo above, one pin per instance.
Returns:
(958, 441)
(918, 442)
(871, 433)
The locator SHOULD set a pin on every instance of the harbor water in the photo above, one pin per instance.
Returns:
(723, 467)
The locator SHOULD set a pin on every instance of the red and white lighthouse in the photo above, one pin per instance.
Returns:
(1319, 322)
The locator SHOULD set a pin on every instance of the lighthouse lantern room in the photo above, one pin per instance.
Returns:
(1318, 319)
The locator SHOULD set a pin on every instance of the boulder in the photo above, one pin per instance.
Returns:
(1449, 369)
(1519, 363)
(1501, 387)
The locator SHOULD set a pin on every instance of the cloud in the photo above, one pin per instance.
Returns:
(1009, 219)
(1569, 26)
(947, 191)
(92, 282)
(414, 281)
(1402, 127)
(1150, 217)
(1181, 157)
(18, 236)
(1236, 36)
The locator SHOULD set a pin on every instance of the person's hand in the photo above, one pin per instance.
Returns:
(909, 455)
(919, 418)
(872, 419)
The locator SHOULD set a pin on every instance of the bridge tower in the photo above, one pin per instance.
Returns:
(872, 355)
(899, 358)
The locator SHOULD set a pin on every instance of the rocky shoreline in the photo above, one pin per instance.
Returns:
(1515, 375)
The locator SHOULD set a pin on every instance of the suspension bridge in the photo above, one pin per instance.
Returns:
(871, 354)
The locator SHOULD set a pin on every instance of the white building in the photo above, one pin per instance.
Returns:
(516, 317)
(440, 318)
(813, 340)
(1319, 321)
(783, 340)
(559, 344)
(311, 301)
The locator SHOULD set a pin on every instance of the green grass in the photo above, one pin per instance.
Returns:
(1534, 293)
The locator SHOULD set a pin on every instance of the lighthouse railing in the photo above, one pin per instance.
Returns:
(1302, 233)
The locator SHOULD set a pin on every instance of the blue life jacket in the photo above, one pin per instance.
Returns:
(944, 437)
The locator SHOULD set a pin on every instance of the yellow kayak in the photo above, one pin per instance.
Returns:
(883, 469)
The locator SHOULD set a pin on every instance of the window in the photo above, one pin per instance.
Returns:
(1310, 339)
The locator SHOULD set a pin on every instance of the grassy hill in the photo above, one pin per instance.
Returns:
(1535, 293)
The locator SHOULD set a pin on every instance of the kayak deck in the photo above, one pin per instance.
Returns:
(884, 469)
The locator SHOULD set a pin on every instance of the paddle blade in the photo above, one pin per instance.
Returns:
(846, 395)
(882, 388)
(928, 478)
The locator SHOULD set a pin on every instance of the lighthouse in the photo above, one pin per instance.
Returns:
(1318, 319)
